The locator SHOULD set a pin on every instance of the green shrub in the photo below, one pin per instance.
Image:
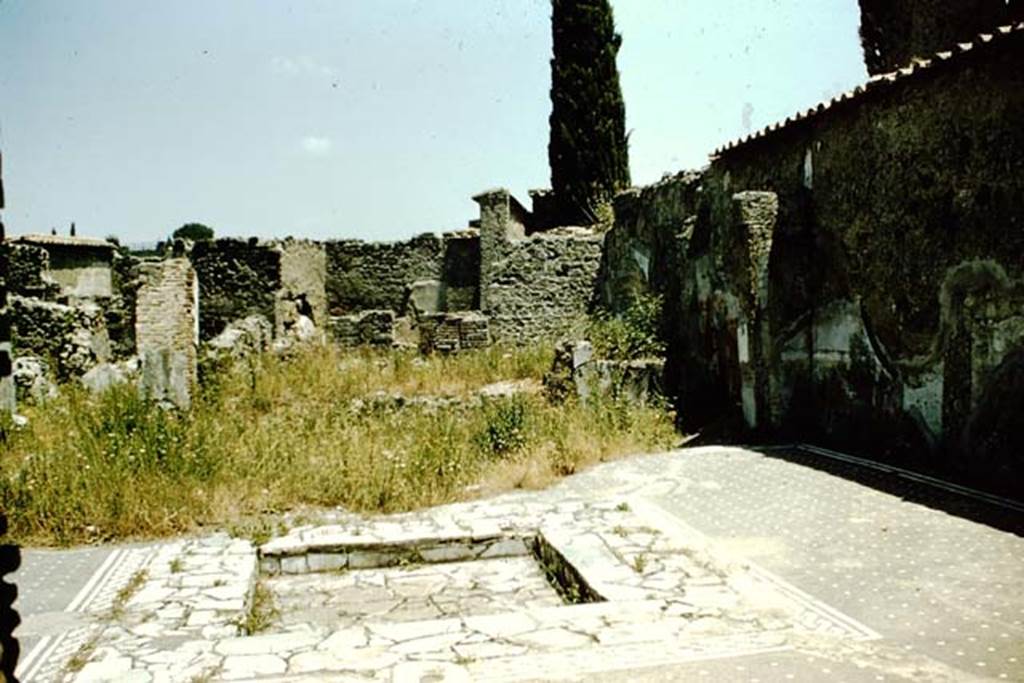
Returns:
(505, 428)
(636, 333)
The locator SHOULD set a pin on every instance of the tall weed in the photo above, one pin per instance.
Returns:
(288, 434)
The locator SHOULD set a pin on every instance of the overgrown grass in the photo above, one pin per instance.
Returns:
(283, 434)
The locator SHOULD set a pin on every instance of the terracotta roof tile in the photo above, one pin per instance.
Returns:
(916, 66)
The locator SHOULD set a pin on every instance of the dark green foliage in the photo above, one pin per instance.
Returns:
(194, 232)
(636, 333)
(588, 149)
(893, 32)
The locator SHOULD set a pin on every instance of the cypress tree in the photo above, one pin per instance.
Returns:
(587, 150)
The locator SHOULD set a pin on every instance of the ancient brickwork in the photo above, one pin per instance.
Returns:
(367, 328)
(460, 274)
(167, 331)
(374, 275)
(884, 244)
(543, 286)
(237, 278)
(538, 286)
(452, 332)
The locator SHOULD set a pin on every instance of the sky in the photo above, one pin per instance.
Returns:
(371, 119)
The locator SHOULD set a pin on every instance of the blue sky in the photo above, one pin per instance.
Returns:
(375, 119)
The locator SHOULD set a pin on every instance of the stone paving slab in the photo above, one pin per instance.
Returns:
(429, 591)
(653, 584)
(710, 564)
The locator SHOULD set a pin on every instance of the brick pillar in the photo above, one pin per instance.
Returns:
(501, 220)
(167, 332)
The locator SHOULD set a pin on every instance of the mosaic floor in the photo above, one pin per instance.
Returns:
(717, 564)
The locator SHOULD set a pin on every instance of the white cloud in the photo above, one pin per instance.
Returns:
(317, 146)
(301, 65)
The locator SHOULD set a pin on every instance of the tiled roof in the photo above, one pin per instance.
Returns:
(875, 83)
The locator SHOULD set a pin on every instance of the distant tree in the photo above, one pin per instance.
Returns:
(892, 32)
(194, 232)
(588, 148)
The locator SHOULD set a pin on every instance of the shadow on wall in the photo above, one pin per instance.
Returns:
(856, 277)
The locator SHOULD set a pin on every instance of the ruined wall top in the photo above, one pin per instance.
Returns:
(64, 241)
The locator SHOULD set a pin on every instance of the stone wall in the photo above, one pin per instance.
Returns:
(857, 276)
(533, 287)
(366, 328)
(119, 310)
(28, 271)
(460, 273)
(643, 251)
(237, 278)
(79, 270)
(374, 275)
(167, 331)
(71, 339)
(453, 332)
(79, 266)
(303, 284)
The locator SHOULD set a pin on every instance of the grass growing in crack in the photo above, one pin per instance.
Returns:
(114, 467)
(257, 530)
(206, 676)
(81, 656)
(639, 563)
(261, 614)
(126, 592)
(177, 566)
